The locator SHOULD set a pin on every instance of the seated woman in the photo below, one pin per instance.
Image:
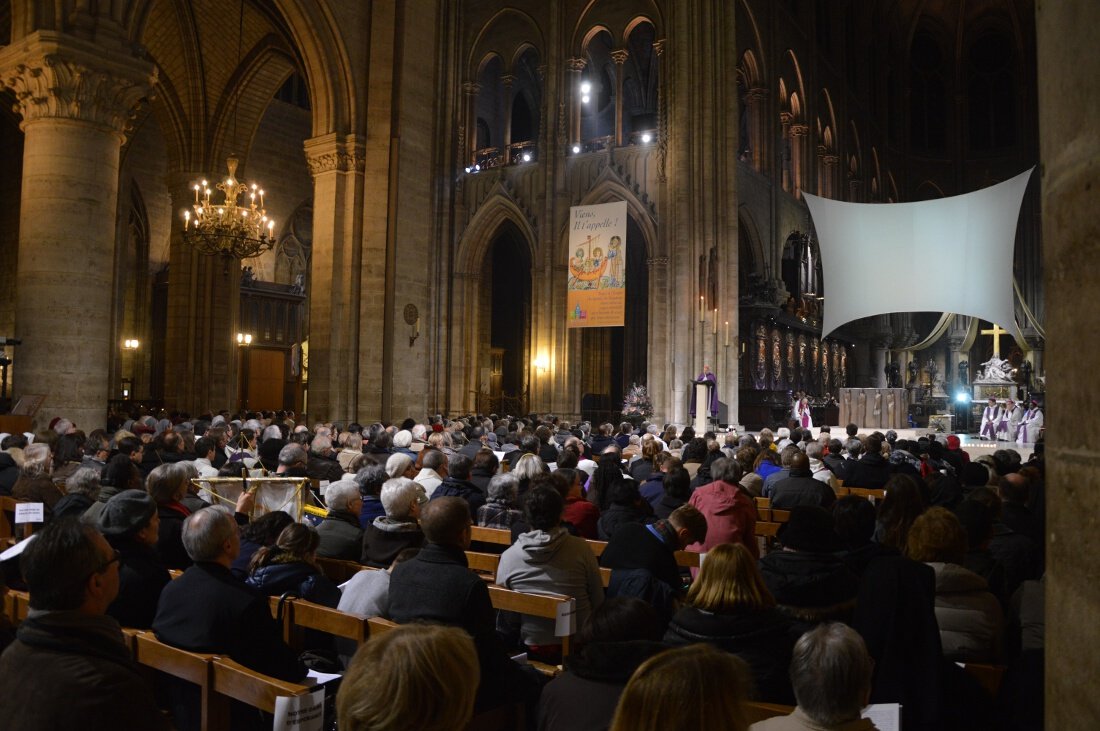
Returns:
(388, 536)
(619, 636)
(290, 566)
(766, 463)
(969, 616)
(416, 678)
(256, 535)
(500, 511)
(130, 523)
(729, 607)
(694, 687)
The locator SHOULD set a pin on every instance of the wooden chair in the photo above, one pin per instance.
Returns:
(192, 667)
(10, 532)
(535, 605)
(988, 676)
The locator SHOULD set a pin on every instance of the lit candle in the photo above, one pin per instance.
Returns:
(727, 333)
(700, 308)
(715, 324)
(186, 219)
(196, 193)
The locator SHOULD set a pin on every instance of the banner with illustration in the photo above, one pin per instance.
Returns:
(597, 265)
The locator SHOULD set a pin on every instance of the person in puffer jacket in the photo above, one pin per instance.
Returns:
(290, 567)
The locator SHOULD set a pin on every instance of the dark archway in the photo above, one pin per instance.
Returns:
(509, 316)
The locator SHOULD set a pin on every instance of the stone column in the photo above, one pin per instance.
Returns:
(756, 100)
(830, 164)
(469, 148)
(799, 135)
(619, 56)
(336, 163)
(201, 365)
(575, 66)
(76, 101)
(507, 81)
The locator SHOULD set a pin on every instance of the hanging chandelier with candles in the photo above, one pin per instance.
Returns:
(229, 229)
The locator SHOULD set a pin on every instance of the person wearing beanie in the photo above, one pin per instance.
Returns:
(130, 523)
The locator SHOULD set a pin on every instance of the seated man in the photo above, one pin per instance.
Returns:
(69, 667)
(438, 587)
(548, 559)
(801, 488)
(209, 610)
(831, 673)
(457, 484)
(642, 557)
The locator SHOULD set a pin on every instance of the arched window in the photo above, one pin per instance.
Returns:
(526, 98)
(929, 111)
(991, 104)
(640, 79)
(489, 113)
(598, 113)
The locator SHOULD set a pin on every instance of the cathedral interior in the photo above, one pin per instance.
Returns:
(418, 161)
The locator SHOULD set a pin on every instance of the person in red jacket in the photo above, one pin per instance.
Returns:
(730, 513)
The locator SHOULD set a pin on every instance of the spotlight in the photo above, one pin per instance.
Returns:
(576, 149)
(962, 397)
(586, 88)
(527, 157)
(647, 138)
(585, 99)
(468, 168)
(477, 168)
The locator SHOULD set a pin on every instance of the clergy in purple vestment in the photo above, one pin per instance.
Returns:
(706, 375)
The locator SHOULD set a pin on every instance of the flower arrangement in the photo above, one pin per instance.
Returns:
(636, 403)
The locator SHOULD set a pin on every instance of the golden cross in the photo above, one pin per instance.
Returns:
(996, 332)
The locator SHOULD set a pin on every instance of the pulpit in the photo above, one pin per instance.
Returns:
(702, 405)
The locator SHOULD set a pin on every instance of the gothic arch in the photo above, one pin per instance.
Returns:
(476, 239)
(754, 245)
(507, 34)
(756, 46)
(607, 190)
(617, 21)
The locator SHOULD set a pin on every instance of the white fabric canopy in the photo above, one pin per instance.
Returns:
(959, 252)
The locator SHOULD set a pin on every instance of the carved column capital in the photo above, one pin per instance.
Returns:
(56, 76)
(335, 152)
(620, 55)
(576, 64)
(507, 80)
(471, 88)
(798, 130)
(659, 46)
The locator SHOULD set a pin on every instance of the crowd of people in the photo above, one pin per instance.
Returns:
(858, 601)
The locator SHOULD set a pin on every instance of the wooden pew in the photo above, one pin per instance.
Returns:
(17, 604)
(192, 667)
(234, 680)
(10, 533)
(988, 676)
(535, 605)
(337, 570)
(499, 536)
(874, 495)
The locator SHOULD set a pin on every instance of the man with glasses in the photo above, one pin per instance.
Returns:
(69, 667)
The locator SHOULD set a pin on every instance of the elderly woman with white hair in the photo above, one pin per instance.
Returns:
(399, 529)
(402, 443)
(341, 536)
(34, 483)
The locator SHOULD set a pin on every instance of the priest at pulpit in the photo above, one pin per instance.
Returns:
(706, 377)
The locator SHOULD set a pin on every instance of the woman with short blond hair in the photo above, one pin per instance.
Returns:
(695, 687)
(413, 678)
(730, 607)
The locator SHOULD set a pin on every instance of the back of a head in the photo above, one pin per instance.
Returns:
(800, 462)
(165, 485)
(1014, 488)
(855, 521)
(397, 496)
(725, 470)
(459, 466)
(937, 536)
(689, 517)
(977, 520)
(445, 520)
(693, 687)
(58, 563)
(413, 678)
(729, 581)
(831, 674)
(543, 506)
(292, 454)
(851, 430)
(621, 619)
(853, 447)
(206, 531)
(503, 487)
(814, 450)
(677, 483)
(433, 460)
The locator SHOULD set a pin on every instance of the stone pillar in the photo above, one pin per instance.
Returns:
(786, 172)
(799, 136)
(201, 365)
(75, 101)
(879, 355)
(469, 148)
(757, 102)
(336, 163)
(507, 81)
(1069, 155)
(575, 66)
(619, 55)
(830, 164)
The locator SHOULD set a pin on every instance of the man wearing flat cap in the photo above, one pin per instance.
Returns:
(130, 523)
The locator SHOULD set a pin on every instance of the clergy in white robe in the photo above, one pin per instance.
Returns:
(991, 417)
(1009, 421)
(1030, 424)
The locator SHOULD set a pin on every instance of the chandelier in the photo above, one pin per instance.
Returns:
(229, 230)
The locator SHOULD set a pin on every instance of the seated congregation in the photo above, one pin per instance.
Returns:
(500, 572)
